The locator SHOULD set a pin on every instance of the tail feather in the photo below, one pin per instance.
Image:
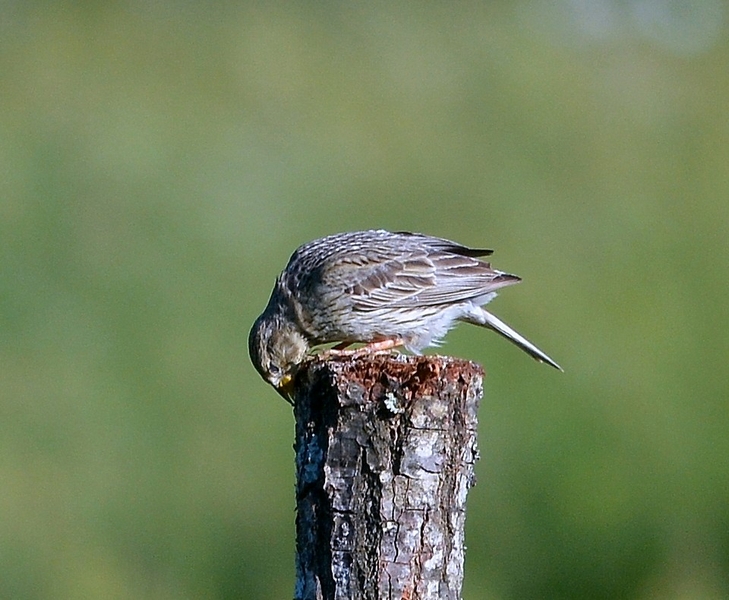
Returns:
(486, 319)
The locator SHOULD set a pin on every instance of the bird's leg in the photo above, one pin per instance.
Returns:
(338, 350)
(380, 346)
(372, 347)
(375, 347)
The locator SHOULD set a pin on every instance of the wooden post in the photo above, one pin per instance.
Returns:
(385, 452)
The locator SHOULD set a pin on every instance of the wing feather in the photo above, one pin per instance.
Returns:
(375, 270)
(418, 279)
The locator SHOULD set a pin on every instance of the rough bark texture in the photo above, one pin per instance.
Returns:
(385, 450)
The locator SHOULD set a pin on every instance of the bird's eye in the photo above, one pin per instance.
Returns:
(274, 369)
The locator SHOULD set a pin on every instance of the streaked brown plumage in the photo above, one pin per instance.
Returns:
(375, 286)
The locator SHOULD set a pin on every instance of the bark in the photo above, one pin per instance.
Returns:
(385, 452)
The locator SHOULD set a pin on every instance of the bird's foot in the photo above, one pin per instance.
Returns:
(371, 348)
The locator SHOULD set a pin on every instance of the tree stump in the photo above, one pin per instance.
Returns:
(385, 453)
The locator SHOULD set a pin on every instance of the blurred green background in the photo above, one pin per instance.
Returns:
(160, 161)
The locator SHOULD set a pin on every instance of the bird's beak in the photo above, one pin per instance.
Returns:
(286, 388)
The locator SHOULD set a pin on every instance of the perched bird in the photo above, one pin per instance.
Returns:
(376, 287)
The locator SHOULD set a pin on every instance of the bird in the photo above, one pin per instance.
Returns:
(380, 288)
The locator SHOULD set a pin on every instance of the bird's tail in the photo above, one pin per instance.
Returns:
(485, 319)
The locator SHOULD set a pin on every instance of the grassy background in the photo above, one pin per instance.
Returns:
(159, 162)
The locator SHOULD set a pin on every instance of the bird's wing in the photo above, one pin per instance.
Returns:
(442, 244)
(377, 279)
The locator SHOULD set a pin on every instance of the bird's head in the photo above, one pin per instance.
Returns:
(277, 348)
